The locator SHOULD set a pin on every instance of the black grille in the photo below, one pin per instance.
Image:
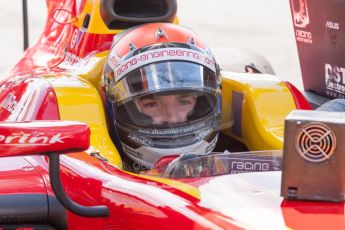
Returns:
(315, 142)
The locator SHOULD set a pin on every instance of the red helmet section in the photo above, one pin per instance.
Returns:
(154, 33)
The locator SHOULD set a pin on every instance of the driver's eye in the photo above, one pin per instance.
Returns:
(150, 104)
(185, 102)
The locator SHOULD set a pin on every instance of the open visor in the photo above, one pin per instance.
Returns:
(167, 109)
(169, 119)
(163, 77)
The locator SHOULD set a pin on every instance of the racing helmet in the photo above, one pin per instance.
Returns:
(162, 93)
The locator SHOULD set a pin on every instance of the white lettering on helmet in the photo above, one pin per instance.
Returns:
(165, 54)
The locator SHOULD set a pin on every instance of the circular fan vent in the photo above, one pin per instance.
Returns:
(315, 142)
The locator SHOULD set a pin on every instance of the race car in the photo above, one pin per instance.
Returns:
(61, 170)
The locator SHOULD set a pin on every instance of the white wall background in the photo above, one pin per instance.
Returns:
(261, 25)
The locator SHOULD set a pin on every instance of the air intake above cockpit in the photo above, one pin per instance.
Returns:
(122, 14)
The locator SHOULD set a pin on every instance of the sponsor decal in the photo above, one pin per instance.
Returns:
(249, 166)
(76, 38)
(304, 36)
(50, 47)
(138, 139)
(31, 139)
(334, 79)
(161, 55)
(172, 131)
(9, 103)
(114, 60)
(333, 94)
(74, 46)
(332, 30)
(132, 153)
(242, 163)
(79, 37)
(212, 165)
(301, 20)
(332, 25)
(71, 58)
(300, 13)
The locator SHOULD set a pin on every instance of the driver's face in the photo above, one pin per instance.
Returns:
(167, 109)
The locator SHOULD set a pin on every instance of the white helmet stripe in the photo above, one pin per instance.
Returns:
(157, 55)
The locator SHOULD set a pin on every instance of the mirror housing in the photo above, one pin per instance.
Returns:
(50, 138)
(42, 137)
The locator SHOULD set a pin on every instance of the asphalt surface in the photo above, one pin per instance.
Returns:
(263, 26)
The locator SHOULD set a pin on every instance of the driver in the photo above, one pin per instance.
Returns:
(162, 93)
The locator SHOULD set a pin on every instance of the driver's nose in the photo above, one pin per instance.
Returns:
(172, 115)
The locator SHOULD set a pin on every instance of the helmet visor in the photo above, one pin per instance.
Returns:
(170, 119)
(163, 77)
(167, 108)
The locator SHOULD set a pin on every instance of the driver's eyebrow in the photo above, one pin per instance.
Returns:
(148, 97)
(185, 95)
